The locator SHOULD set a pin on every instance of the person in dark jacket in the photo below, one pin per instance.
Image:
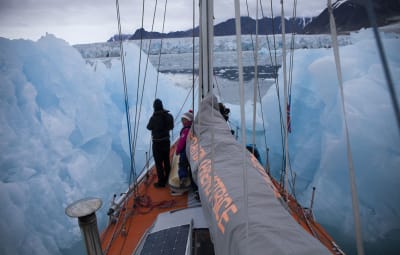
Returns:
(160, 123)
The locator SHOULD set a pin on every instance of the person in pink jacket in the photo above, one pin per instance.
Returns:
(183, 164)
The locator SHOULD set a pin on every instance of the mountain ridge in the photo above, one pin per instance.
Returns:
(350, 15)
(266, 26)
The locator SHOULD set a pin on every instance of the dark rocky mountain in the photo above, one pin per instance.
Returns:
(351, 15)
(266, 26)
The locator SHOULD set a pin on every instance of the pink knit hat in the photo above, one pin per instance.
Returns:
(188, 115)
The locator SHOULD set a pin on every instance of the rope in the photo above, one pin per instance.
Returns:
(275, 62)
(137, 120)
(255, 81)
(161, 45)
(259, 95)
(285, 94)
(132, 164)
(291, 63)
(133, 174)
(127, 111)
(289, 184)
(256, 85)
(290, 83)
(354, 197)
(184, 102)
(159, 60)
(145, 201)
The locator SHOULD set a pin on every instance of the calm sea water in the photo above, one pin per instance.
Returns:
(179, 67)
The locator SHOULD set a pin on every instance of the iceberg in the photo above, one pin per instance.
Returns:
(63, 137)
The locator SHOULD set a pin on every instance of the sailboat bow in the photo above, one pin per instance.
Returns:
(242, 209)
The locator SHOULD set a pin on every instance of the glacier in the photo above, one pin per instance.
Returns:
(63, 137)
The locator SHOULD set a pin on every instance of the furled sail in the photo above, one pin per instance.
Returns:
(258, 224)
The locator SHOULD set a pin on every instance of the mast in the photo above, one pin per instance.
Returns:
(230, 181)
(206, 46)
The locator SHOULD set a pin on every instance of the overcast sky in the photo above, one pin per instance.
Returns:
(87, 21)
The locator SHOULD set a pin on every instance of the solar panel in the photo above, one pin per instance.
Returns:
(168, 241)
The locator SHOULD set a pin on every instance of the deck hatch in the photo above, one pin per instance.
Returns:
(168, 241)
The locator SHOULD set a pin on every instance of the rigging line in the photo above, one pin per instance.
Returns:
(285, 95)
(183, 104)
(126, 100)
(274, 38)
(291, 64)
(145, 73)
(217, 85)
(255, 55)
(138, 112)
(372, 19)
(277, 93)
(255, 82)
(126, 227)
(161, 45)
(133, 174)
(289, 97)
(263, 121)
(288, 171)
(137, 120)
(274, 61)
(243, 119)
(159, 60)
(128, 118)
(259, 92)
(354, 196)
(119, 224)
(292, 46)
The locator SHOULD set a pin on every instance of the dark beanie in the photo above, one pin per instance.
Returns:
(157, 105)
